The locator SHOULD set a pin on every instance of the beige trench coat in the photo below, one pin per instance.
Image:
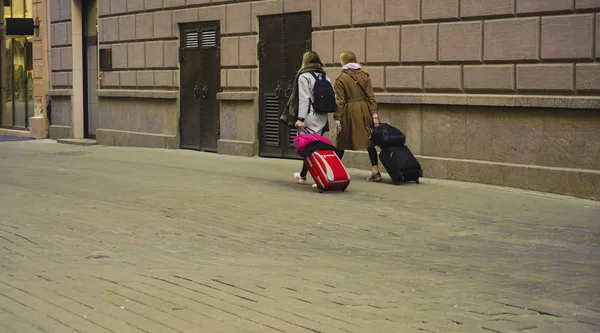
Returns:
(354, 110)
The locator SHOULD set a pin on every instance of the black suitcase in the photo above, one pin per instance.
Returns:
(401, 165)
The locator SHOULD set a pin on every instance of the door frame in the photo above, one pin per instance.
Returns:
(200, 26)
(86, 6)
(285, 132)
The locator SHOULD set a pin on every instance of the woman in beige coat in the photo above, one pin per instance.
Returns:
(356, 111)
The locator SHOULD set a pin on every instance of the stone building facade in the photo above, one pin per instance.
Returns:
(503, 92)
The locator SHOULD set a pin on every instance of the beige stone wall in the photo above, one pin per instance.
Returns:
(468, 46)
(61, 58)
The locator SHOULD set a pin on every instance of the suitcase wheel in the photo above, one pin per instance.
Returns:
(321, 189)
(417, 181)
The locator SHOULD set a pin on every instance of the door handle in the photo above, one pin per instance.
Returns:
(278, 90)
(196, 90)
(205, 92)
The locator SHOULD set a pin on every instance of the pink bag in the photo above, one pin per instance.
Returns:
(307, 137)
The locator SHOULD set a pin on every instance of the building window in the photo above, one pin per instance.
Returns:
(19, 9)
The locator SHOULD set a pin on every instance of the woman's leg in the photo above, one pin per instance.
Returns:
(375, 174)
(301, 176)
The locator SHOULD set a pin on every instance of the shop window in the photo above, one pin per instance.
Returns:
(18, 8)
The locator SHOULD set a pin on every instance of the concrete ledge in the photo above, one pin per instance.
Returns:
(581, 183)
(237, 96)
(155, 94)
(237, 148)
(78, 142)
(59, 132)
(38, 127)
(17, 133)
(107, 137)
(60, 92)
(564, 102)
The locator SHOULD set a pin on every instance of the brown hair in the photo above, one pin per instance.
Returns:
(348, 57)
(311, 57)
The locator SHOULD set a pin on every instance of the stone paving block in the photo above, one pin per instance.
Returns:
(66, 55)
(543, 6)
(183, 16)
(546, 77)
(314, 6)
(65, 9)
(118, 7)
(322, 43)
(163, 24)
(144, 26)
(439, 9)
(171, 54)
(153, 4)
(247, 50)
(60, 79)
(512, 39)
(239, 18)
(154, 54)
(588, 77)
(110, 79)
(136, 55)
(383, 44)
(109, 29)
(587, 4)
(197, 2)
(443, 77)
(335, 13)
(404, 77)
(104, 7)
(135, 5)
(59, 34)
(230, 52)
(127, 28)
(214, 13)
(568, 37)
(486, 8)
(55, 57)
(238, 78)
(461, 41)
(489, 77)
(173, 3)
(54, 10)
(269, 7)
(349, 40)
(367, 11)
(419, 43)
(119, 56)
(402, 10)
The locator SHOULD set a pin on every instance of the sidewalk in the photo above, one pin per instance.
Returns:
(106, 239)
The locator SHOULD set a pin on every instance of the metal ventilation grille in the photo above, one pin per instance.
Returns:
(293, 133)
(191, 39)
(209, 38)
(271, 120)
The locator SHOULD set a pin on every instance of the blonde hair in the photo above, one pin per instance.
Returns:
(311, 57)
(348, 57)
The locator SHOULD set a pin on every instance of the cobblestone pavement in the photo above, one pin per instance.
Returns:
(103, 239)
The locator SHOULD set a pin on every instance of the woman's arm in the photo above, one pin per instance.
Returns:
(371, 97)
(340, 97)
(304, 97)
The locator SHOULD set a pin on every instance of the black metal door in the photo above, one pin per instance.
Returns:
(200, 75)
(283, 39)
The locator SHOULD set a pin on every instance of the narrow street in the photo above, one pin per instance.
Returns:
(107, 239)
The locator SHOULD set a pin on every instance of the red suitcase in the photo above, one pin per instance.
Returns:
(327, 170)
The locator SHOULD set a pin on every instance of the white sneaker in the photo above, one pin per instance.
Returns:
(301, 180)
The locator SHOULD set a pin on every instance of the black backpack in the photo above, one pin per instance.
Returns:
(324, 95)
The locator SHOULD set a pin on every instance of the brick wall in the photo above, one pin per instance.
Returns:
(459, 46)
(468, 46)
(61, 60)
